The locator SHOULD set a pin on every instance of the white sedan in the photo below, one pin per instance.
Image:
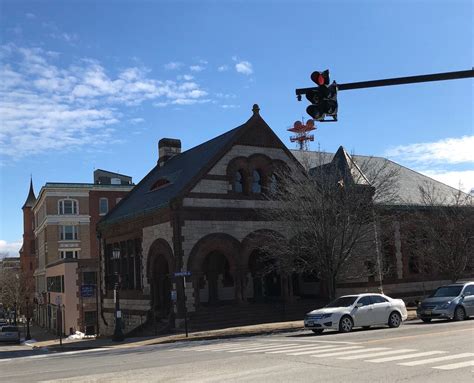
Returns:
(362, 310)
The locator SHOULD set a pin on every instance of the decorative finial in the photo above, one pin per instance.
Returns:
(255, 109)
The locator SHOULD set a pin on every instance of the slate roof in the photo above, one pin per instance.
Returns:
(179, 170)
(408, 180)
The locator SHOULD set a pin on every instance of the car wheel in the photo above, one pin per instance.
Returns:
(394, 320)
(426, 320)
(317, 332)
(459, 314)
(346, 324)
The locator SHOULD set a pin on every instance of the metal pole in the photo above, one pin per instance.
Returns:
(185, 308)
(398, 81)
(118, 334)
(28, 335)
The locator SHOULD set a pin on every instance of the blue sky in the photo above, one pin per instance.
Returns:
(88, 84)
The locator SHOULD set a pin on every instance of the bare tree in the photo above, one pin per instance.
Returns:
(444, 241)
(329, 215)
(15, 288)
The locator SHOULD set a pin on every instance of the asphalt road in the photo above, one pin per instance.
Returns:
(415, 352)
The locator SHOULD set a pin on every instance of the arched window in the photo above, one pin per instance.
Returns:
(239, 182)
(256, 182)
(273, 184)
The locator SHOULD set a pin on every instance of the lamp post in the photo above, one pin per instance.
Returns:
(118, 334)
(28, 335)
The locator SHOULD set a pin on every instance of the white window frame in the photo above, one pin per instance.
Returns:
(100, 205)
(75, 253)
(62, 233)
(75, 206)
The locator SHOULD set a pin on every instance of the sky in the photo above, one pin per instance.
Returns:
(90, 85)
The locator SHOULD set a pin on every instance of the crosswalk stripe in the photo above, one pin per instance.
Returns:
(217, 346)
(336, 350)
(349, 352)
(371, 354)
(258, 347)
(439, 359)
(270, 348)
(326, 348)
(401, 357)
(299, 348)
(455, 365)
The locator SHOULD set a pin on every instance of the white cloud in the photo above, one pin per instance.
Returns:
(229, 106)
(222, 68)
(137, 120)
(10, 249)
(186, 77)
(172, 65)
(446, 151)
(45, 107)
(244, 67)
(455, 179)
(197, 68)
(30, 15)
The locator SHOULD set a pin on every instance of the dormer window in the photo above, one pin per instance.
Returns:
(162, 182)
(239, 182)
(256, 182)
(68, 206)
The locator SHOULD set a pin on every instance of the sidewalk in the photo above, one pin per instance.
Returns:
(260, 329)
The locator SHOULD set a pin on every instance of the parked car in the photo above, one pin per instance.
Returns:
(454, 301)
(10, 334)
(362, 310)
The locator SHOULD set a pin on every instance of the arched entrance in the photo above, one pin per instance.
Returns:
(216, 270)
(160, 287)
(266, 282)
(160, 267)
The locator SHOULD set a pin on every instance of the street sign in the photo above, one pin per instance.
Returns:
(173, 295)
(58, 300)
(182, 274)
(87, 291)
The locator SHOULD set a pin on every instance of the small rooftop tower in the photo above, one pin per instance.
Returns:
(302, 137)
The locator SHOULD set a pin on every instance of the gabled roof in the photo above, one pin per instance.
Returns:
(182, 171)
(31, 199)
(408, 181)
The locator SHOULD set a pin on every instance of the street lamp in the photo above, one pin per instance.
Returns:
(118, 334)
(28, 335)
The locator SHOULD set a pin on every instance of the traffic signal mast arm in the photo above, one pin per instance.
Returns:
(395, 81)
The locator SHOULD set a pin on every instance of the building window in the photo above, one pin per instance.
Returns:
(89, 278)
(69, 254)
(239, 182)
(55, 284)
(68, 206)
(256, 182)
(68, 233)
(103, 206)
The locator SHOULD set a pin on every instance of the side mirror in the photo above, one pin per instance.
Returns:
(358, 305)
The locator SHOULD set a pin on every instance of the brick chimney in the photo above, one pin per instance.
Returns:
(167, 148)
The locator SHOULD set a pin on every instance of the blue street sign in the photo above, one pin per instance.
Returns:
(182, 274)
(87, 291)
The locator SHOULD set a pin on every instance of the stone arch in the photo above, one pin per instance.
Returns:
(160, 266)
(213, 262)
(261, 163)
(239, 164)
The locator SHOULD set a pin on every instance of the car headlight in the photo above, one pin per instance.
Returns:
(326, 316)
(446, 305)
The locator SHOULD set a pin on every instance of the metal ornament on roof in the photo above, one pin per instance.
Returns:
(302, 136)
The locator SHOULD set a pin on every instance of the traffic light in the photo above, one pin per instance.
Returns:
(323, 98)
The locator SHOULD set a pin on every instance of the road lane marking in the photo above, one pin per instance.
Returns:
(326, 348)
(434, 360)
(313, 352)
(58, 354)
(366, 350)
(300, 348)
(261, 346)
(217, 347)
(274, 348)
(371, 354)
(401, 357)
(455, 365)
(415, 336)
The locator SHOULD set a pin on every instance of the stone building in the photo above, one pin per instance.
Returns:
(198, 211)
(61, 226)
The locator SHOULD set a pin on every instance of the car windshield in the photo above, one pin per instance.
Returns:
(447, 291)
(342, 302)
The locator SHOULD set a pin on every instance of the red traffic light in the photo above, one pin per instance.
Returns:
(320, 78)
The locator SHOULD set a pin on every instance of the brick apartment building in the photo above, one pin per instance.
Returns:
(60, 233)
